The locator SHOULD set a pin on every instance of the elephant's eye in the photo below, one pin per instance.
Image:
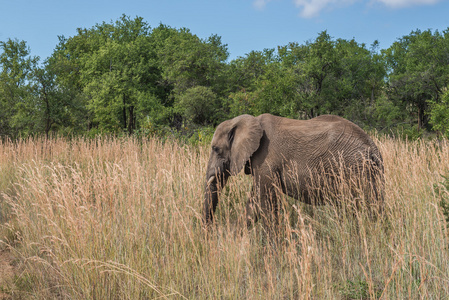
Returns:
(215, 149)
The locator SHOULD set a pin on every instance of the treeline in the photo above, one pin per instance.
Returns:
(125, 77)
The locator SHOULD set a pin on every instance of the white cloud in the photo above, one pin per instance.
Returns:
(312, 8)
(260, 4)
(406, 3)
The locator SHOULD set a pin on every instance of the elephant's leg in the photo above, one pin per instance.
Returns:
(262, 204)
(269, 205)
(253, 206)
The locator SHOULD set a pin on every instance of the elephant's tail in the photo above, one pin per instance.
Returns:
(377, 177)
(377, 160)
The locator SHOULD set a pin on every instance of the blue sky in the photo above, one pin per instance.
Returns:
(244, 25)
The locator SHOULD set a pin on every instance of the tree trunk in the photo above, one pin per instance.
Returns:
(419, 118)
(124, 111)
(131, 123)
(47, 112)
(422, 116)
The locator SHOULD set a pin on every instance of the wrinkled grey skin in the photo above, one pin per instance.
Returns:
(287, 154)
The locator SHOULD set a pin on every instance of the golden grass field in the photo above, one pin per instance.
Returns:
(120, 218)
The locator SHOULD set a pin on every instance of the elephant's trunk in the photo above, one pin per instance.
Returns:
(215, 181)
(210, 199)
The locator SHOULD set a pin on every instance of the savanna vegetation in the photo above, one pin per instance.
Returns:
(104, 145)
(121, 218)
(125, 77)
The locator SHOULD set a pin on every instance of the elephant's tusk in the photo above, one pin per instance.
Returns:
(211, 179)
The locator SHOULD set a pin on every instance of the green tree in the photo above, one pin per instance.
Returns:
(330, 76)
(244, 72)
(439, 114)
(316, 74)
(189, 61)
(277, 93)
(357, 82)
(198, 105)
(186, 62)
(417, 67)
(17, 67)
(246, 78)
(316, 65)
(114, 65)
(36, 113)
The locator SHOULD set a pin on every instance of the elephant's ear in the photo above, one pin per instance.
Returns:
(244, 138)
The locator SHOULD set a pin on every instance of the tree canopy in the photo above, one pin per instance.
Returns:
(126, 77)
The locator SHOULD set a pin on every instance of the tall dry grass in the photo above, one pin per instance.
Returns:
(121, 218)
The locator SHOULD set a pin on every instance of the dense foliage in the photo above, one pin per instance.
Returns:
(125, 77)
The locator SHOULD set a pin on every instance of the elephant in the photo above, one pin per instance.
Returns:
(288, 155)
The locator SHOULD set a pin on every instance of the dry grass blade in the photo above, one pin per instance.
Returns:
(121, 218)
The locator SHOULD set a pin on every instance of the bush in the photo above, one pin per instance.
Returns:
(439, 115)
(198, 105)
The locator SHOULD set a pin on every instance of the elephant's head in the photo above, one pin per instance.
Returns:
(233, 144)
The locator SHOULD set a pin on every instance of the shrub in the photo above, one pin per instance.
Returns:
(439, 115)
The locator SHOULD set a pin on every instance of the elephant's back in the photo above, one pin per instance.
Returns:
(344, 132)
(353, 144)
(333, 138)
(319, 137)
